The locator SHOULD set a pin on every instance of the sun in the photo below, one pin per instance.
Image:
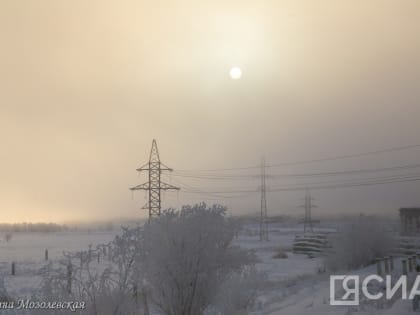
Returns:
(235, 73)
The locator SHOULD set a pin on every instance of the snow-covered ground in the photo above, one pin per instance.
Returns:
(31, 246)
(294, 284)
(27, 251)
(297, 286)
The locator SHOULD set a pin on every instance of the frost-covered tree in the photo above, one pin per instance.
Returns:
(188, 256)
(359, 243)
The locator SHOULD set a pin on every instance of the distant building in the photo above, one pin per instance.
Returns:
(410, 220)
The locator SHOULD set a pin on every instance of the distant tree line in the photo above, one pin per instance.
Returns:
(33, 227)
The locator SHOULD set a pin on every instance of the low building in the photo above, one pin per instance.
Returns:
(410, 221)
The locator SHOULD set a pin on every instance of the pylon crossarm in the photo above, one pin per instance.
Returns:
(163, 167)
(144, 167)
(144, 186)
(165, 186)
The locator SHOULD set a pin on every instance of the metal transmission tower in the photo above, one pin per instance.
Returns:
(154, 186)
(263, 214)
(307, 223)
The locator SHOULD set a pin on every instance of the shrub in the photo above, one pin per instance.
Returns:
(281, 254)
(358, 244)
(188, 257)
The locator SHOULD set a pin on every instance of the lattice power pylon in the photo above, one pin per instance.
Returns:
(154, 186)
(307, 223)
(263, 214)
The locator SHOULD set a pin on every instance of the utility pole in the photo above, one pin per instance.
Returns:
(263, 214)
(307, 223)
(154, 186)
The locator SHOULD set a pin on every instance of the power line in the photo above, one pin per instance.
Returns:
(351, 172)
(188, 189)
(313, 174)
(350, 185)
(331, 158)
(317, 186)
(244, 192)
(354, 180)
(349, 156)
(192, 189)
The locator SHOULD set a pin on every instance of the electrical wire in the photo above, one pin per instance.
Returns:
(331, 158)
(317, 174)
(318, 186)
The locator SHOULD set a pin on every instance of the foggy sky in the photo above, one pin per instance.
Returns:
(86, 85)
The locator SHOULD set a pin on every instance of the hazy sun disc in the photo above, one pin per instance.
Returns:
(235, 73)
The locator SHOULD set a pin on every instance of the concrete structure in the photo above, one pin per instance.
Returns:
(410, 221)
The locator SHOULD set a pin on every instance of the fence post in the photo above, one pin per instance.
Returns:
(145, 302)
(391, 262)
(416, 300)
(69, 275)
(410, 264)
(13, 268)
(378, 266)
(386, 263)
(46, 254)
(414, 262)
(135, 293)
(404, 267)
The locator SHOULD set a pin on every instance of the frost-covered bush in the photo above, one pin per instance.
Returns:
(189, 256)
(238, 293)
(181, 263)
(110, 286)
(280, 254)
(4, 295)
(358, 244)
